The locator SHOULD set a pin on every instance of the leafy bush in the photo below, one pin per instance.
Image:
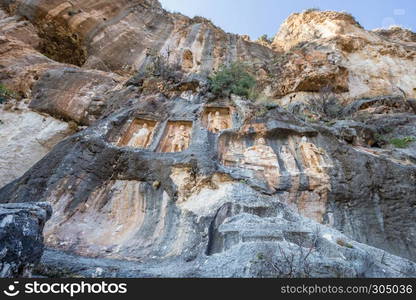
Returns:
(402, 143)
(233, 79)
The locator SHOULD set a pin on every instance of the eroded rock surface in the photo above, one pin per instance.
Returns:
(26, 137)
(21, 239)
(159, 172)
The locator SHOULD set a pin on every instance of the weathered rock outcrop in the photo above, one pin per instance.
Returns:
(116, 36)
(21, 239)
(334, 50)
(186, 184)
(26, 137)
(161, 207)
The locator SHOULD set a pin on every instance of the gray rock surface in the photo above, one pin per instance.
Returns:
(21, 239)
(211, 220)
(272, 194)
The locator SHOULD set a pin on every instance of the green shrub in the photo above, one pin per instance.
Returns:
(233, 79)
(265, 38)
(403, 143)
(5, 94)
(260, 256)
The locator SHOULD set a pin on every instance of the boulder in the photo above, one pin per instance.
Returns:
(21, 238)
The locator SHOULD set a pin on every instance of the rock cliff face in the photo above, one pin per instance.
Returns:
(21, 242)
(331, 48)
(145, 165)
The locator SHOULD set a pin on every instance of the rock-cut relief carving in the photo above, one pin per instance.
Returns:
(217, 119)
(259, 158)
(289, 160)
(312, 157)
(263, 159)
(177, 137)
(139, 134)
(313, 203)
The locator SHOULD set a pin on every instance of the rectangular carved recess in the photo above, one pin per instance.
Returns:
(177, 137)
(137, 135)
(217, 119)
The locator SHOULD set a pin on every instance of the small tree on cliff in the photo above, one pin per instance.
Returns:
(265, 38)
(233, 79)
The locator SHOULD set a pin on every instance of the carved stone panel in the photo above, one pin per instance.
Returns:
(177, 137)
(139, 134)
(288, 158)
(259, 158)
(312, 157)
(217, 119)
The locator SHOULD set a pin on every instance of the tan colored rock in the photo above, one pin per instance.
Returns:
(139, 134)
(21, 66)
(398, 34)
(259, 158)
(313, 25)
(289, 160)
(115, 37)
(114, 221)
(25, 138)
(177, 137)
(325, 48)
(217, 119)
(312, 157)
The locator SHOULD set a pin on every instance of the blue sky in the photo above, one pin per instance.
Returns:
(257, 17)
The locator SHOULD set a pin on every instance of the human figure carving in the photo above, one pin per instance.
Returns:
(312, 156)
(260, 155)
(216, 123)
(180, 139)
(141, 138)
(263, 159)
(289, 160)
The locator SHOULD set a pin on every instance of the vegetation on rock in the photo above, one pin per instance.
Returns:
(266, 39)
(5, 94)
(233, 79)
(403, 143)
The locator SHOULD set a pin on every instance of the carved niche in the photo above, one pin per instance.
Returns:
(217, 119)
(139, 134)
(177, 137)
(259, 158)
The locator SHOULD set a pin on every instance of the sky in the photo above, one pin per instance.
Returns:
(258, 17)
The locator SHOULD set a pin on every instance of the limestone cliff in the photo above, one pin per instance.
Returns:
(333, 49)
(110, 118)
